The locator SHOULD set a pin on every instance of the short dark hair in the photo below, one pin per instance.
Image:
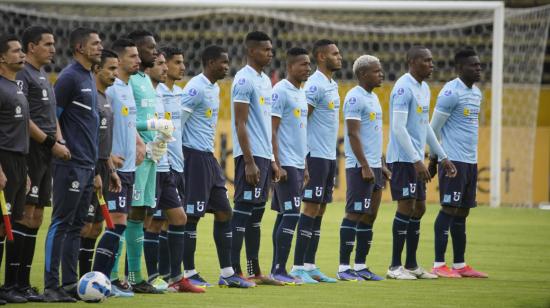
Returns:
(170, 52)
(463, 54)
(119, 46)
(105, 54)
(211, 52)
(415, 52)
(33, 34)
(257, 36)
(4, 42)
(79, 36)
(320, 44)
(137, 35)
(294, 52)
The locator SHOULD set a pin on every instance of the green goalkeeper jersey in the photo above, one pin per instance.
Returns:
(146, 100)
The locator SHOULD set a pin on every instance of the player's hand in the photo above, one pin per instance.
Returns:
(432, 167)
(98, 185)
(163, 126)
(367, 174)
(3, 179)
(449, 167)
(306, 177)
(156, 149)
(140, 153)
(28, 185)
(283, 175)
(422, 171)
(252, 173)
(275, 172)
(386, 173)
(118, 161)
(60, 151)
(115, 184)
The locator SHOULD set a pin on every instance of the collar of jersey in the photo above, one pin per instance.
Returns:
(253, 70)
(205, 79)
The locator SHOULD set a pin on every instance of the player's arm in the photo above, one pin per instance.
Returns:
(354, 135)
(445, 105)
(64, 90)
(58, 150)
(115, 184)
(312, 97)
(140, 150)
(434, 145)
(275, 122)
(385, 170)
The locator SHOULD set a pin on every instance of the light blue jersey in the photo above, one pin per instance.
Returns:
(171, 100)
(124, 127)
(202, 99)
(459, 134)
(162, 165)
(322, 133)
(412, 98)
(290, 104)
(253, 89)
(365, 107)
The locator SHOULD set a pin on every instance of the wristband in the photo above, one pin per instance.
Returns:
(49, 142)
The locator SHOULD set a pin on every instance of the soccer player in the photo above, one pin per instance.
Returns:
(409, 133)
(73, 180)
(14, 146)
(38, 45)
(127, 151)
(289, 139)
(105, 74)
(455, 123)
(322, 134)
(254, 168)
(204, 181)
(366, 173)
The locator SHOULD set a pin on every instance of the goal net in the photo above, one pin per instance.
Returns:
(384, 33)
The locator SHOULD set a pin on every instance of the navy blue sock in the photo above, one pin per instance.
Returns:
(86, 255)
(252, 239)
(458, 232)
(441, 235)
(106, 249)
(164, 255)
(174, 246)
(305, 227)
(399, 231)
(274, 239)
(413, 235)
(241, 215)
(285, 233)
(364, 240)
(151, 254)
(314, 242)
(347, 240)
(189, 246)
(222, 238)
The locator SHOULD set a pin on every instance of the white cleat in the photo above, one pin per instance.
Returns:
(420, 273)
(400, 273)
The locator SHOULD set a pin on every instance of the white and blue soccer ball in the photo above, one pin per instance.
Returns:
(94, 287)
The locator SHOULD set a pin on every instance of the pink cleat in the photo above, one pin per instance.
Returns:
(467, 271)
(445, 272)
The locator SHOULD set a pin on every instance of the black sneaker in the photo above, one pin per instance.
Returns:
(2, 302)
(71, 291)
(11, 295)
(145, 288)
(58, 296)
(122, 285)
(31, 294)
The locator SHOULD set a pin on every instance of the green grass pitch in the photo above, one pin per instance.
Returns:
(512, 245)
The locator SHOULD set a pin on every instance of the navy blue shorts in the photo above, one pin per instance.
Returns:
(459, 191)
(404, 182)
(205, 189)
(359, 192)
(287, 195)
(120, 202)
(39, 162)
(94, 211)
(167, 194)
(245, 192)
(322, 175)
(14, 166)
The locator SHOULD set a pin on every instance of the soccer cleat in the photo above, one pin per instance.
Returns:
(198, 281)
(444, 271)
(11, 295)
(145, 288)
(286, 279)
(420, 273)
(2, 302)
(121, 289)
(468, 271)
(320, 276)
(264, 280)
(184, 285)
(366, 274)
(303, 276)
(400, 273)
(348, 275)
(58, 296)
(235, 281)
(31, 294)
(159, 284)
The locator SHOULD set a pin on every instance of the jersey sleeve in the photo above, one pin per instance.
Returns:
(242, 91)
(64, 90)
(402, 98)
(312, 95)
(278, 99)
(352, 108)
(190, 98)
(446, 101)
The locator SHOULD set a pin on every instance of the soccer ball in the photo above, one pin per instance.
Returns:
(94, 287)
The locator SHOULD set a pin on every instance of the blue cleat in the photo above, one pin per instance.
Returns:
(349, 275)
(198, 281)
(303, 276)
(235, 281)
(366, 274)
(319, 276)
(286, 279)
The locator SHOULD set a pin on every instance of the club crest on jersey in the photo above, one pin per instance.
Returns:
(331, 105)
(466, 112)
(192, 92)
(400, 91)
(448, 93)
(75, 186)
(241, 81)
